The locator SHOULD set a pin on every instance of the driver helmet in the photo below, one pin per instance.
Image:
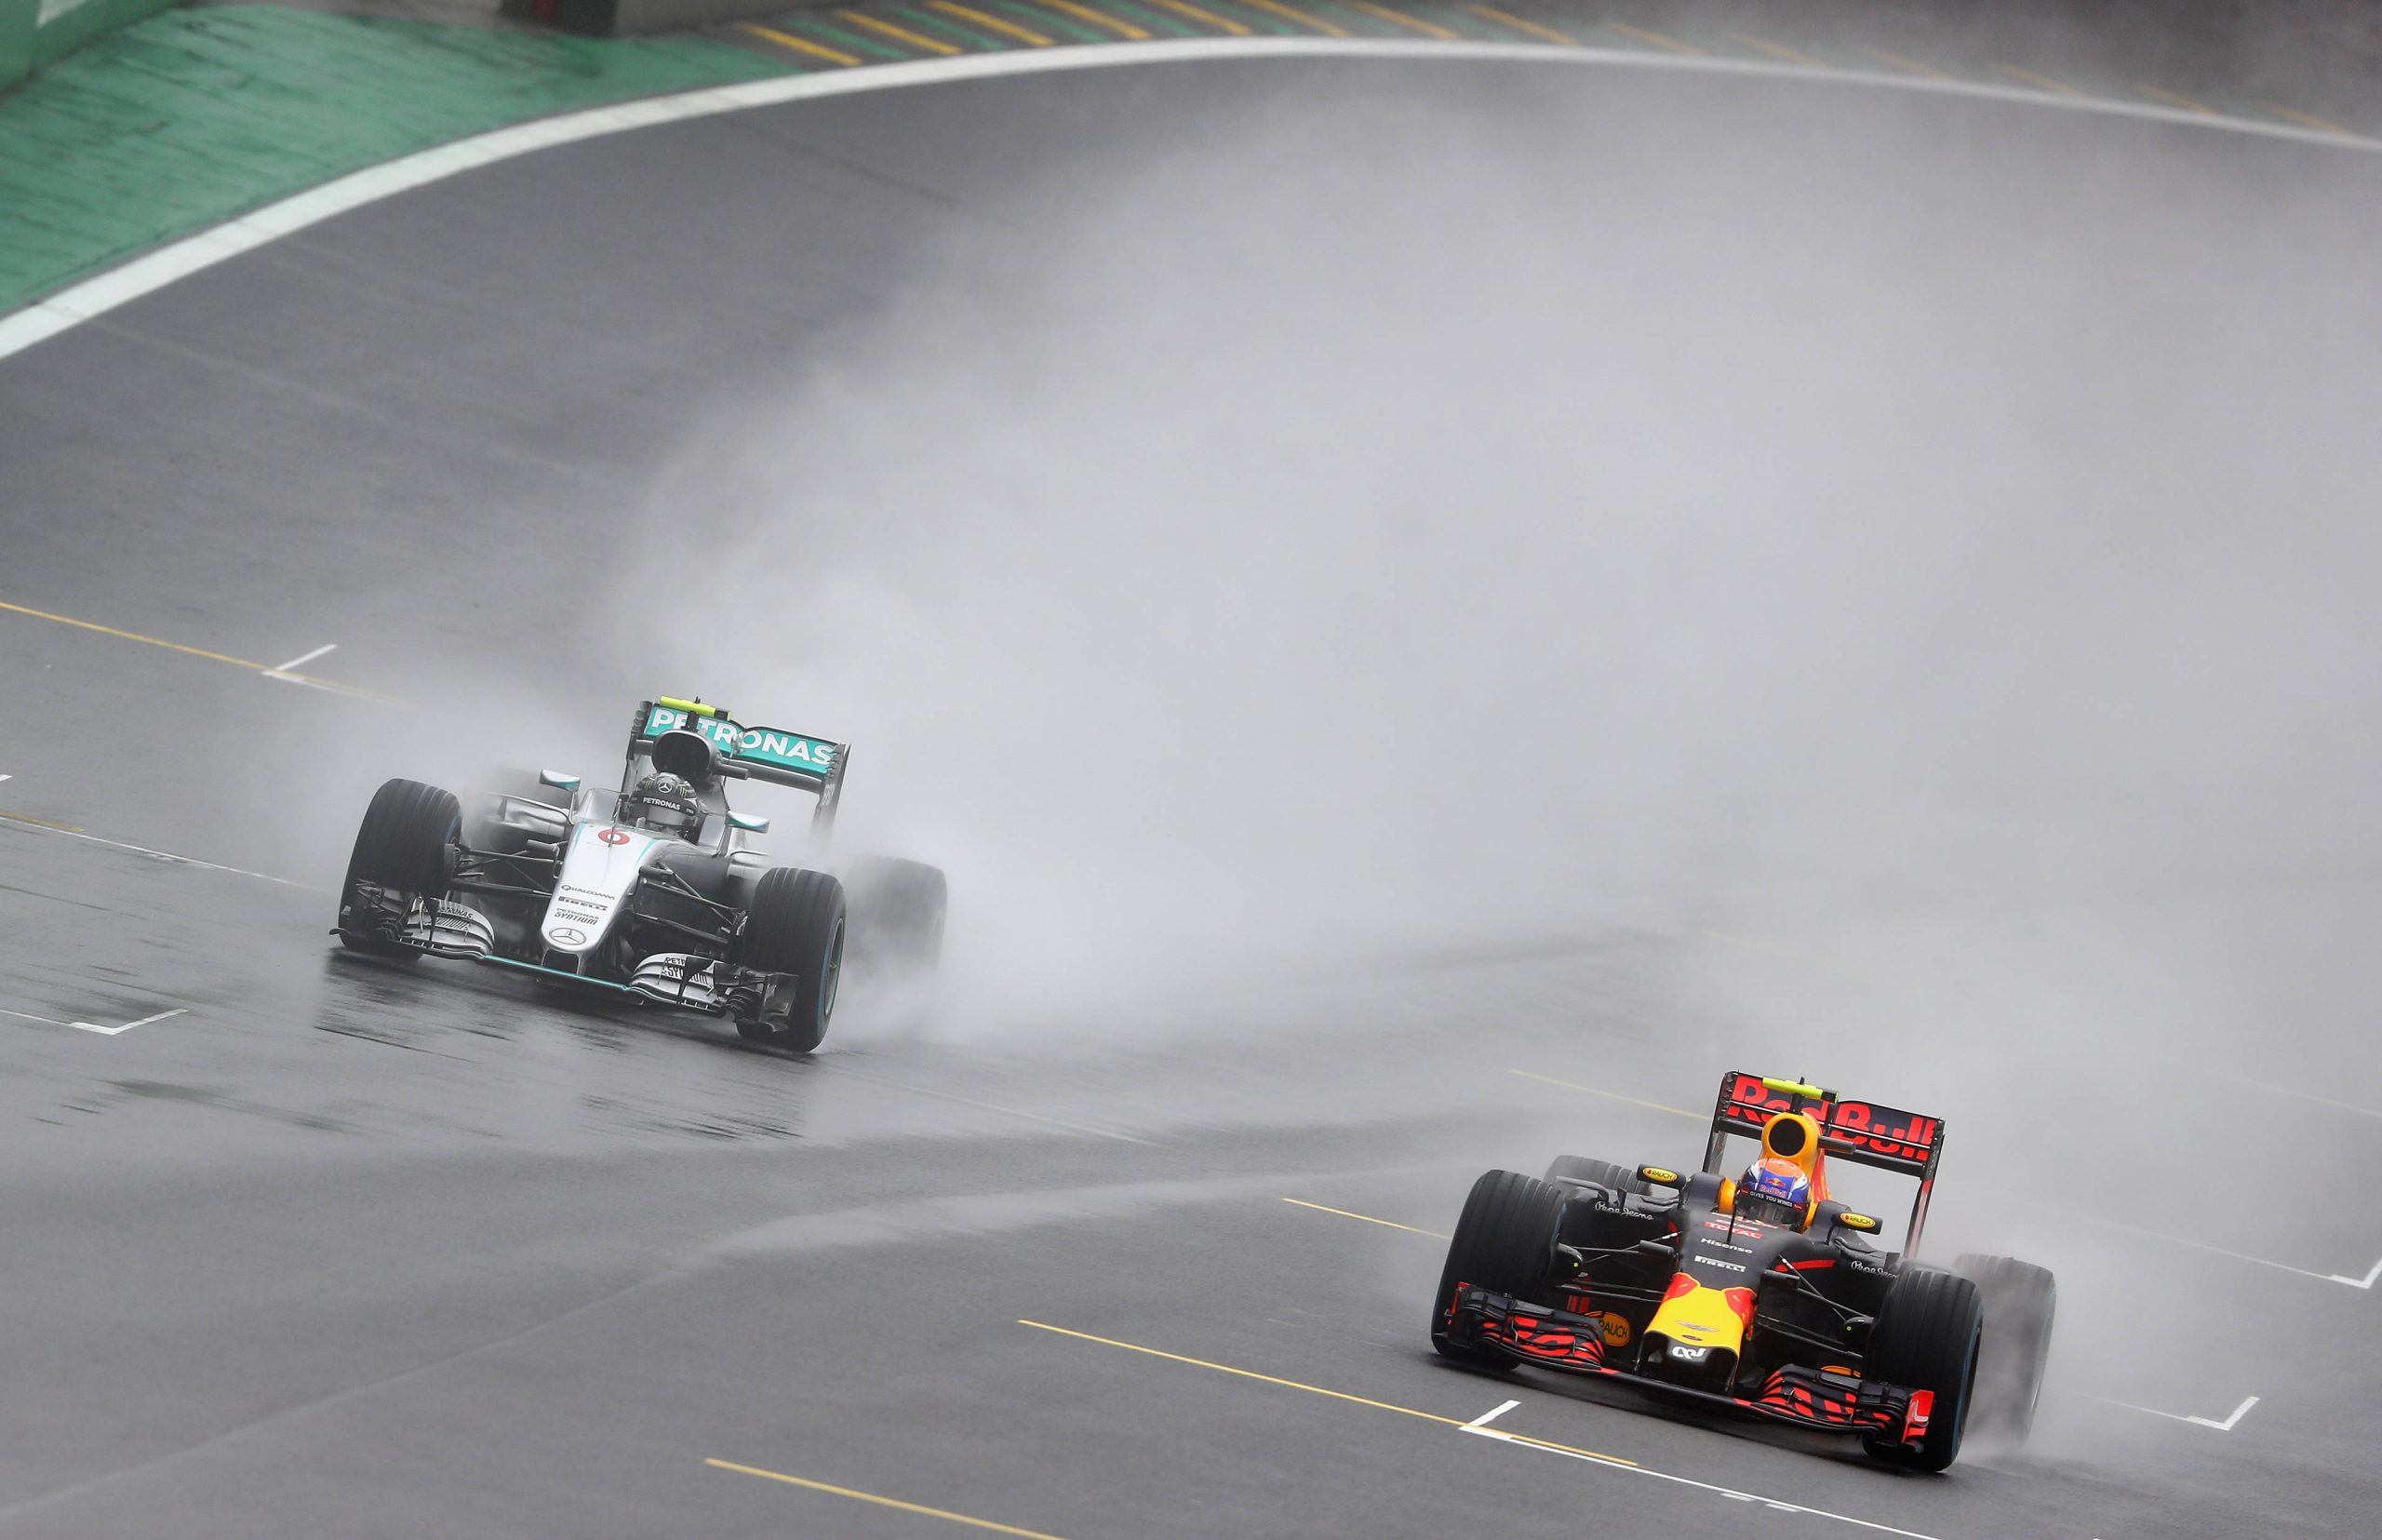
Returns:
(664, 803)
(1774, 1191)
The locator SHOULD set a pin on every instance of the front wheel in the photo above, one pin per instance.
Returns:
(795, 931)
(1504, 1241)
(404, 845)
(1926, 1338)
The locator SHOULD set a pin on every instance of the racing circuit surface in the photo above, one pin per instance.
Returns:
(1128, 1230)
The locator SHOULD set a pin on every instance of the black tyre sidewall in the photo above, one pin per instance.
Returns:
(403, 843)
(1603, 1174)
(1504, 1240)
(1926, 1338)
(796, 927)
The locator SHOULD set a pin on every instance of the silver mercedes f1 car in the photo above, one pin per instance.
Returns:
(656, 890)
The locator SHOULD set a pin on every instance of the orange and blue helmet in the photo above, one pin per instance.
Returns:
(1774, 1191)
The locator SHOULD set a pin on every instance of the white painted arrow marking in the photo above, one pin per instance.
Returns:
(2226, 1426)
(2367, 1282)
(1492, 1414)
(119, 1031)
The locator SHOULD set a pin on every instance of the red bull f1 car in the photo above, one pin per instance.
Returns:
(1689, 1285)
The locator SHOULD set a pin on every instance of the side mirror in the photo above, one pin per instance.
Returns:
(1650, 1249)
(749, 822)
(1861, 1222)
(558, 779)
(1660, 1177)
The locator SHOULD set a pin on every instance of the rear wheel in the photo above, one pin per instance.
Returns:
(795, 931)
(1604, 1173)
(1505, 1241)
(406, 843)
(2020, 1300)
(898, 910)
(1926, 1339)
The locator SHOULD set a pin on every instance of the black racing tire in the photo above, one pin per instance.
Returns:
(405, 842)
(2020, 1300)
(1604, 1173)
(1926, 1338)
(795, 929)
(1505, 1241)
(897, 909)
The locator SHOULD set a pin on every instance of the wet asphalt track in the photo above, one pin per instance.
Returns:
(359, 1250)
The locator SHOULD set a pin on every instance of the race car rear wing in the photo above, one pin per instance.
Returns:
(776, 755)
(1867, 1134)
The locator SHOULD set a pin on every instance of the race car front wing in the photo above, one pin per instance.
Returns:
(1823, 1398)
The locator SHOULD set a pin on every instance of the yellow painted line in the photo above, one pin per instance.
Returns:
(1098, 19)
(1224, 23)
(1530, 29)
(1913, 65)
(2039, 82)
(2159, 93)
(1351, 1213)
(1400, 19)
(196, 652)
(993, 22)
(43, 823)
(2306, 120)
(1274, 8)
(1608, 1095)
(1779, 51)
(134, 636)
(881, 1501)
(1297, 1385)
(799, 44)
(1659, 40)
(900, 35)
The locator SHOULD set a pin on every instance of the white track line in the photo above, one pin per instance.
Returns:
(282, 671)
(2226, 1426)
(2278, 1090)
(6, 821)
(1780, 1505)
(1492, 1414)
(93, 1027)
(79, 302)
(120, 1031)
(2366, 1283)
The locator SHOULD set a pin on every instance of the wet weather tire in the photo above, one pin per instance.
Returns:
(897, 909)
(794, 929)
(1505, 1241)
(1604, 1173)
(2020, 1300)
(405, 843)
(1926, 1339)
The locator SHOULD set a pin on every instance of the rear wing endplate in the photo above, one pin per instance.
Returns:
(1867, 1134)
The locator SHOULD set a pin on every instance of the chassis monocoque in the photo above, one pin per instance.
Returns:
(562, 884)
(1647, 1275)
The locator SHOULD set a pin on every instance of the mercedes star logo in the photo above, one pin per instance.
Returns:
(563, 935)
